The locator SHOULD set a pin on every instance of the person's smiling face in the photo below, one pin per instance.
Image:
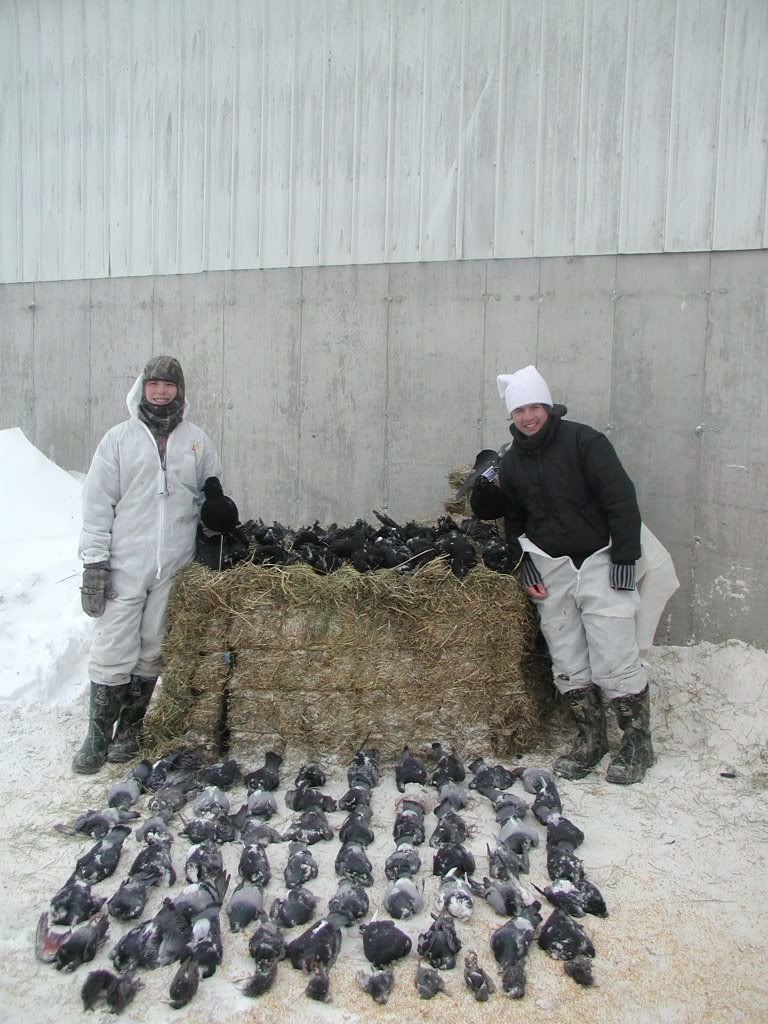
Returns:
(159, 392)
(529, 419)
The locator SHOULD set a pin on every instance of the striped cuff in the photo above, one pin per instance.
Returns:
(531, 575)
(623, 575)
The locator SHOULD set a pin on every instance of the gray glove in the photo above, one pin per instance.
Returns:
(93, 593)
(531, 575)
(622, 575)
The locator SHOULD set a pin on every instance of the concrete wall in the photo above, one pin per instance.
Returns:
(332, 391)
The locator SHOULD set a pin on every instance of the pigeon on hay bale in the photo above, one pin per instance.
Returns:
(218, 513)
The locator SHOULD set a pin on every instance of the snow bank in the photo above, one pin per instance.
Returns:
(44, 635)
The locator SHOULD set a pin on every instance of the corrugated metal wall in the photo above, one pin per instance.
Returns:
(171, 136)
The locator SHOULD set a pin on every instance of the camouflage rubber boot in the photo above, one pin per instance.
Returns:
(591, 739)
(135, 702)
(635, 755)
(103, 710)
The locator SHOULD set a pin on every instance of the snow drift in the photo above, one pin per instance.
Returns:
(44, 635)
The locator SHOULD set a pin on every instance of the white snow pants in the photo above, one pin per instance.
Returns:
(589, 627)
(131, 631)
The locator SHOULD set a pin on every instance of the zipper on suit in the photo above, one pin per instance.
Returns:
(162, 491)
(162, 494)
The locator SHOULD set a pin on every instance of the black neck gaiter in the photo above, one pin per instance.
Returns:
(162, 419)
(540, 439)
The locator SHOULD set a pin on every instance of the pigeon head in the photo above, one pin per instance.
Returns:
(212, 487)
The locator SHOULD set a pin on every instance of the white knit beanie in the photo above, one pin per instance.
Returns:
(526, 387)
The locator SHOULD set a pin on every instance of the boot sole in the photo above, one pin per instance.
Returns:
(80, 770)
(624, 782)
(572, 773)
(573, 769)
(121, 758)
(618, 781)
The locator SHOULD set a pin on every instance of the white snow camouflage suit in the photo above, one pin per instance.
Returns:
(142, 519)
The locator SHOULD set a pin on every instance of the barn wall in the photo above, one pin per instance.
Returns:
(163, 137)
(333, 391)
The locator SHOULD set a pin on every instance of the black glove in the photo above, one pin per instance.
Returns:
(486, 499)
(623, 575)
(531, 575)
(93, 593)
(483, 485)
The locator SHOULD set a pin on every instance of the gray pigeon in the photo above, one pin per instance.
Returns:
(402, 899)
(350, 901)
(475, 978)
(507, 899)
(301, 866)
(378, 984)
(428, 982)
(404, 862)
(455, 897)
(210, 801)
(245, 905)
(542, 783)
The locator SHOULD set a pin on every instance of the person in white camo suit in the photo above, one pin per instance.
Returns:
(141, 507)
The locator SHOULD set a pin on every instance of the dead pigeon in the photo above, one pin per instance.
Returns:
(402, 899)
(428, 982)
(563, 938)
(409, 769)
(378, 984)
(383, 943)
(218, 513)
(475, 978)
(296, 908)
(439, 944)
(266, 778)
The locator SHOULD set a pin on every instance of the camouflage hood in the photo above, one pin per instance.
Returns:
(161, 419)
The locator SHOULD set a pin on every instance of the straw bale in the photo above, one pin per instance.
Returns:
(198, 618)
(204, 725)
(327, 663)
(269, 669)
(190, 708)
(458, 507)
(267, 657)
(251, 745)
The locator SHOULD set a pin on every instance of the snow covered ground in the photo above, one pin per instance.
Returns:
(681, 859)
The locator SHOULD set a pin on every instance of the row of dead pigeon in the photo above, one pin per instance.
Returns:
(187, 928)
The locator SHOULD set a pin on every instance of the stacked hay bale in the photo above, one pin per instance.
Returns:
(191, 707)
(453, 505)
(259, 657)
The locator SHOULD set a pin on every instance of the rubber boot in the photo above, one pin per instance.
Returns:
(591, 741)
(103, 710)
(635, 755)
(135, 702)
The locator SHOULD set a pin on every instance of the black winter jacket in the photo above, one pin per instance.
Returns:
(566, 490)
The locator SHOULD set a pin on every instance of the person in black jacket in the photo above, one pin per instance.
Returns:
(569, 505)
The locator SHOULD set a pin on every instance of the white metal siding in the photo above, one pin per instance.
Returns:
(171, 136)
